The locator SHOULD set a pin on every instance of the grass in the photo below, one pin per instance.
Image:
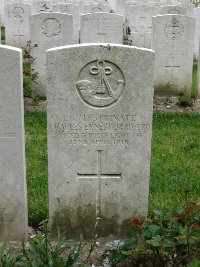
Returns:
(36, 161)
(194, 80)
(175, 161)
(2, 30)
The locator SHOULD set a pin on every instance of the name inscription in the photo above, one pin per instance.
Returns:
(90, 129)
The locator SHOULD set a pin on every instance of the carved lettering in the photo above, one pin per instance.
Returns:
(109, 129)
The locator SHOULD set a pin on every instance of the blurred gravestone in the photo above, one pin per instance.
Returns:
(13, 195)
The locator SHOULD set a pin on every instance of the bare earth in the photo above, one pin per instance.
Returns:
(160, 104)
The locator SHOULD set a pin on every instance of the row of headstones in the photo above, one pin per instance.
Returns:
(138, 21)
(99, 139)
(173, 39)
(173, 73)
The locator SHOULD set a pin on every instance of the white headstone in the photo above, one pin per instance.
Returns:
(198, 77)
(13, 195)
(41, 6)
(175, 9)
(189, 8)
(95, 8)
(197, 33)
(120, 5)
(74, 10)
(17, 24)
(101, 28)
(2, 22)
(173, 39)
(99, 136)
(47, 30)
(140, 25)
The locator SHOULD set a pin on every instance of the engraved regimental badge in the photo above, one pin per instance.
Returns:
(100, 83)
(174, 29)
(18, 14)
(51, 27)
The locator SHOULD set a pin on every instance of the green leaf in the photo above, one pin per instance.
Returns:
(194, 263)
(127, 253)
(168, 244)
(155, 241)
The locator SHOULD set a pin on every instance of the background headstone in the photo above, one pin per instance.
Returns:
(95, 8)
(47, 30)
(173, 40)
(99, 136)
(17, 24)
(197, 33)
(176, 9)
(101, 28)
(40, 6)
(13, 195)
(140, 25)
(74, 10)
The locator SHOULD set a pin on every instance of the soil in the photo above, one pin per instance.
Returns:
(163, 104)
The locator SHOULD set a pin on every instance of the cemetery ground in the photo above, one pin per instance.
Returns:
(175, 165)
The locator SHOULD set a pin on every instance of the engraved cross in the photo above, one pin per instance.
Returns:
(99, 175)
(172, 67)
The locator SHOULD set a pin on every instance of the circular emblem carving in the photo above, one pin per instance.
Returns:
(174, 29)
(96, 10)
(51, 27)
(174, 11)
(100, 83)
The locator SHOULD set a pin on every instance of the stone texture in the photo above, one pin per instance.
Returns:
(47, 30)
(101, 28)
(74, 10)
(39, 6)
(95, 7)
(100, 101)
(189, 8)
(140, 25)
(175, 9)
(13, 195)
(197, 33)
(2, 22)
(173, 39)
(17, 24)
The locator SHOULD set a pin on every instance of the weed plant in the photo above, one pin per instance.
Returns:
(163, 239)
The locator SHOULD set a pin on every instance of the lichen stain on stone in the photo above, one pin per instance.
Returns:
(169, 90)
(72, 223)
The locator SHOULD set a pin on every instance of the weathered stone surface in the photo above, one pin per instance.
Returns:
(140, 24)
(173, 39)
(39, 6)
(2, 23)
(13, 195)
(175, 9)
(47, 30)
(197, 33)
(189, 8)
(95, 7)
(74, 10)
(17, 24)
(99, 136)
(101, 28)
